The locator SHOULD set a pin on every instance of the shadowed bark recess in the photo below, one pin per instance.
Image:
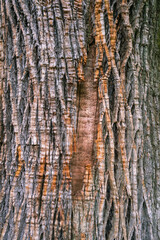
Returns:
(79, 119)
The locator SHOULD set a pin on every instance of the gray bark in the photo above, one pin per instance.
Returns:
(79, 119)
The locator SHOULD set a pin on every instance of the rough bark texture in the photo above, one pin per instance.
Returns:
(79, 119)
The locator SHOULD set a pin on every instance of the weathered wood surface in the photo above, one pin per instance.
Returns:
(79, 119)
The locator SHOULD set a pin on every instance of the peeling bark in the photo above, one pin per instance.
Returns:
(79, 119)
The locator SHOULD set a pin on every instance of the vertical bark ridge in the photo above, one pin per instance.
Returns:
(87, 172)
(120, 119)
(45, 41)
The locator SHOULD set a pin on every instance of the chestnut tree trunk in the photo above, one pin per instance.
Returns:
(79, 119)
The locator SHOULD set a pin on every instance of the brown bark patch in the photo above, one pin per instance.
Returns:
(86, 124)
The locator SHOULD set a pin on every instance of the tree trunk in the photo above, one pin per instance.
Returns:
(79, 119)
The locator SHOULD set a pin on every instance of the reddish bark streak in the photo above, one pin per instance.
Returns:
(86, 124)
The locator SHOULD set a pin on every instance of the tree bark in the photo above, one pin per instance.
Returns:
(79, 119)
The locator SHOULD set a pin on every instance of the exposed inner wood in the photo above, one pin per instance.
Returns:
(86, 125)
